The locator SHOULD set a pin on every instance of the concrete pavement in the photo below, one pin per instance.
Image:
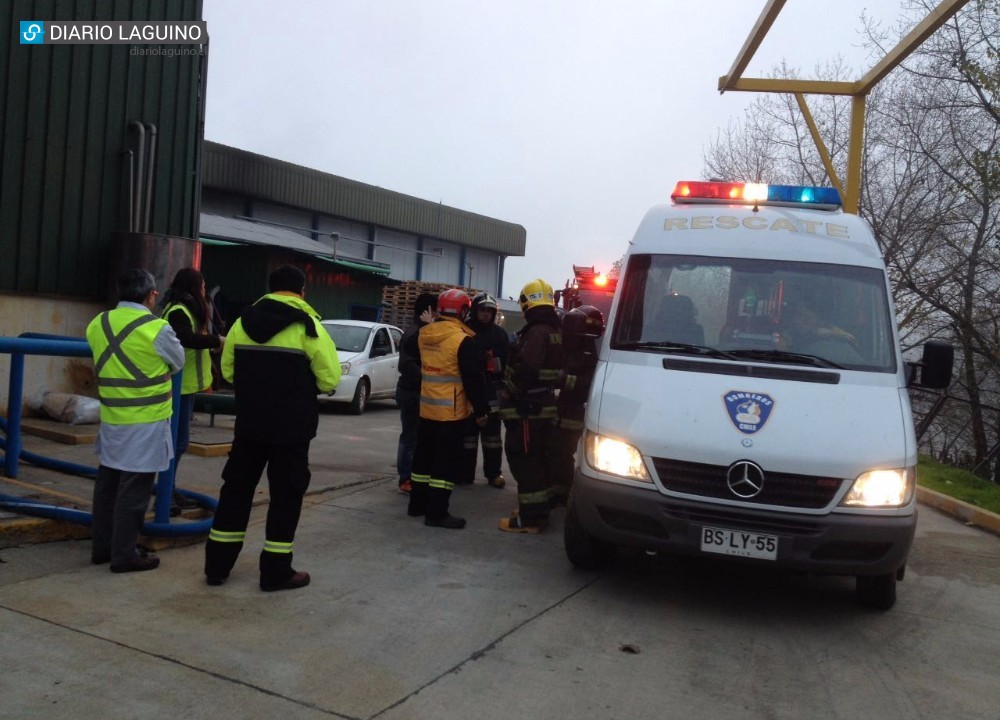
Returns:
(403, 621)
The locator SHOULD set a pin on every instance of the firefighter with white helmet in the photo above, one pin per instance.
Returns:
(529, 407)
(451, 391)
(493, 342)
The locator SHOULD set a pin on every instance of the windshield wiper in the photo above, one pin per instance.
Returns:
(785, 356)
(675, 347)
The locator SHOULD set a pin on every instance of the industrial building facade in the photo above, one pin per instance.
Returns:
(352, 238)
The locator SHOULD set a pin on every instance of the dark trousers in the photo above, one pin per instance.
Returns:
(287, 479)
(565, 441)
(533, 460)
(409, 413)
(492, 448)
(120, 502)
(184, 424)
(437, 466)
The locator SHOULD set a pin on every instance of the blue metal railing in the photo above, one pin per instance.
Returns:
(59, 346)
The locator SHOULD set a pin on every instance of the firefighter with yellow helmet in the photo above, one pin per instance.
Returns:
(529, 407)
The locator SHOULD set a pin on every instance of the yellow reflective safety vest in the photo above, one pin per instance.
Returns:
(442, 395)
(197, 363)
(133, 381)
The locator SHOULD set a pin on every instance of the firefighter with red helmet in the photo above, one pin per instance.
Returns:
(451, 391)
(529, 407)
(493, 342)
(582, 328)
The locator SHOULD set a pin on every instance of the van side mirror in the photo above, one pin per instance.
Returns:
(934, 368)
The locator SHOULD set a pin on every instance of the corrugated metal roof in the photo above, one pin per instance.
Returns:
(264, 178)
(216, 227)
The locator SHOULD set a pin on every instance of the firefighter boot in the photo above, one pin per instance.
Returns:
(437, 510)
(418, 496)
(277, 573)
(220, 556)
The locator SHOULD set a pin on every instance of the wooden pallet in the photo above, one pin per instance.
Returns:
(398, 300)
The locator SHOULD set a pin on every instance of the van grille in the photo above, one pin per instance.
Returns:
(782, 489)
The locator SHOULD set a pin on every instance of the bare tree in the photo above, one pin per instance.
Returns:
(933, 197)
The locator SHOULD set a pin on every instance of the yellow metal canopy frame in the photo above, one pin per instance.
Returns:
(857, 90)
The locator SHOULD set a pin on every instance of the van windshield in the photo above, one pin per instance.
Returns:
(760, 310)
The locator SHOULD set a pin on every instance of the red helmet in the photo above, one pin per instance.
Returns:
(454, 302)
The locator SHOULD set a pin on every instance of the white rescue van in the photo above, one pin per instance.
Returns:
(751, 400)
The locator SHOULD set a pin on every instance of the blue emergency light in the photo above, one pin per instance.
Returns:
(738, 193)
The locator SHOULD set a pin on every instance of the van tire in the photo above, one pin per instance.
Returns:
(583, 549)
(876, 591)
(360, 400)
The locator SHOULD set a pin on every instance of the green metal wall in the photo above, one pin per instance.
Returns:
(64, 115)
(241, 273)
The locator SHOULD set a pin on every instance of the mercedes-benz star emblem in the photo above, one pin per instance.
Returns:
(745, 479)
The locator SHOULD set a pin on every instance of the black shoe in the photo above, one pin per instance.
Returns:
(100, 559)
(448, 521)
(414, 511)
(139, 563)
(297, 580)
(184, 502)
(215, 580)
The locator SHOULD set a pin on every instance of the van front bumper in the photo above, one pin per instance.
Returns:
(831, 544)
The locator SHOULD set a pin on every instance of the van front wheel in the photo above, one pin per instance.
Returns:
(877, 591)
(583, 549)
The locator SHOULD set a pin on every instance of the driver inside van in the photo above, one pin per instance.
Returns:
(805, 332)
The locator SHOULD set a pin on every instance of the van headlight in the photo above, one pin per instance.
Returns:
(615, 457)
(882, 489)
(345, 368)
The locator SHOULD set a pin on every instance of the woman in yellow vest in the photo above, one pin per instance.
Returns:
(187, 311)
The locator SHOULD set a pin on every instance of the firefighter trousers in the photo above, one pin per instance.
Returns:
(492, 449)
(437, 466)
(532, 457)
(287, 478)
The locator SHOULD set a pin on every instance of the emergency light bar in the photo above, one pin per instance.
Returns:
(738, 193)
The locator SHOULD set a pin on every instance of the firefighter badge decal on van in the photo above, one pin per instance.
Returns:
(748, 411)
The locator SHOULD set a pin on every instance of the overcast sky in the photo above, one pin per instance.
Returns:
(569, 117)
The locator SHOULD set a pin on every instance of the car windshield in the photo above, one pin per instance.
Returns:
(348, 338)
(761, 310)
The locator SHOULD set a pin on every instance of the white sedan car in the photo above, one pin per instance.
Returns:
(369, 360)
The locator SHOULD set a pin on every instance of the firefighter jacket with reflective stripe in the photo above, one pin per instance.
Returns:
(197, 363)
(133, 381)
(279, 357)
(442, 392)
(581, 362)
(533, 367)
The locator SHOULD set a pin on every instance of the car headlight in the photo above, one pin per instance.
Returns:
(615, 458)
(345, 368)
(882, 489)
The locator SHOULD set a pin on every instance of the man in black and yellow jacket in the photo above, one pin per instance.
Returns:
(451, 390)
(278, 357)
(529, 408)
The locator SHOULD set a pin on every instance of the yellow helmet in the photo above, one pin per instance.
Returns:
(536, 294)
